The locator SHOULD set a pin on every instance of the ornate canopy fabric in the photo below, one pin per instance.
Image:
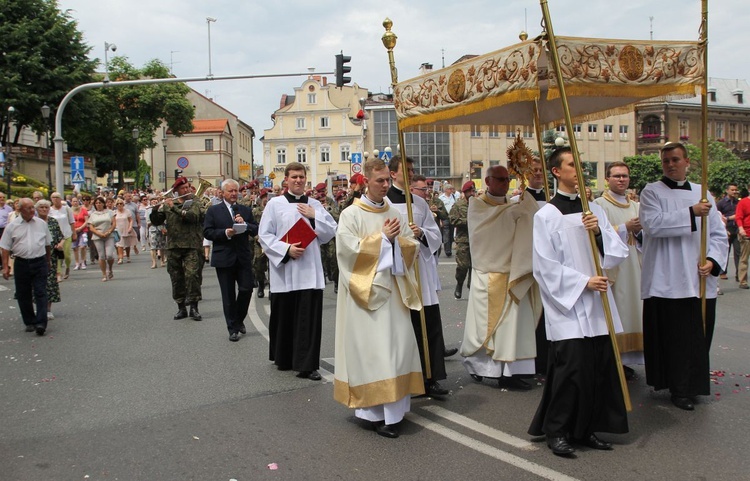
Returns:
(602, 77)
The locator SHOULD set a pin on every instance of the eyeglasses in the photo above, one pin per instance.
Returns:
(501, 179)
(620, 176)
(423, 189)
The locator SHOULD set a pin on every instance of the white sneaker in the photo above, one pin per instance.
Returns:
(83, 266)
(78, 266)
(50, 316)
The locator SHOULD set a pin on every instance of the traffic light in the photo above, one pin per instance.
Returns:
(342, 69)
(177, 173)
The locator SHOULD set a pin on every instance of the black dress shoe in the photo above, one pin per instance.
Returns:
(234, 337)
(683, 403)
(311, 375)
(595, 443)
(243, 329)
(40, 330)
(629, 372)
(560, 445)
(515, 383)
(386, 430)
(435, 389)
(194, 314)
(457, 292)
(29, 328)
(181, 313)
(261, 293)
(450, 352)
(476, 377)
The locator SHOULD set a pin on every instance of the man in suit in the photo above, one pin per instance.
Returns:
(232, 255)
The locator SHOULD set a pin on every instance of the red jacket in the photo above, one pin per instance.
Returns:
(742, 214)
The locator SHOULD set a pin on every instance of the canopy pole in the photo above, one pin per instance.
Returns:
(389, 42)
(704, 152)
(584, 200)
(540, 142)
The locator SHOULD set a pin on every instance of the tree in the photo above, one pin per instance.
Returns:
(43, 57)
(643, 169)
(112, 113)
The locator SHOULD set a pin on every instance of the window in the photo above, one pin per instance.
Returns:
(528, 132)
(226, 145)
(345, 152)
(476, 131)
(607, 132)
(577, 130)
(560, 128)
(719, 131)
(510, 134)
(325, 154)
(209, 144)
(431, 150)
(732, 132)
(385, 132)
(302, 154)
(300, 123)
(281, 156)
(324, 123)
(623, 132)
(684, 126)
(745, 133)
(493, 132)
(311, 98)
(592, 130)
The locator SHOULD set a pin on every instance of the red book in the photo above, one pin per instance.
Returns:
(300, 232)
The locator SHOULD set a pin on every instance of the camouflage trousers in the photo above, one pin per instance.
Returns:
(330, 264)
(260, 265)
(463, 261)
(185, 268)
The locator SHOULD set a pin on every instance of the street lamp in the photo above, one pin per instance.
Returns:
(135, 145)
(45, 115)
(107, 47)
(164, 143)
(208, 23)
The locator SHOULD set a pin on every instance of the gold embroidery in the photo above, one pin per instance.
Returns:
(378, 392)
(497, 292)
(365, 267)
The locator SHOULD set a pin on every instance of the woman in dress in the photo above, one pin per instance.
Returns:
(61, 211)
(58, 243)
(101, 226)
(81, 216)
(124, 222)
(144, 209)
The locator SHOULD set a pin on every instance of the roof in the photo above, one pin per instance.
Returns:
(209, 125)
(725, 94)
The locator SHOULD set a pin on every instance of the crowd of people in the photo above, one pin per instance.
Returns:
(535, 299)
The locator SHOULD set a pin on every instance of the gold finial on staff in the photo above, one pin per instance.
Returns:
(389, 42)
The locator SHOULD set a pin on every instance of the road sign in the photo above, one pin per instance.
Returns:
(357, 158)
(386, 156)
(267, 184)
(77, 176)
(183, 162)
(356, 168)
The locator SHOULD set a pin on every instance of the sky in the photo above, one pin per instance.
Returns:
(252, 37)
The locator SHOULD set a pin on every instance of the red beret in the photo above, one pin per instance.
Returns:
(340, 194)
(430, 181)
(263, 192)
(253, 183)
(468, 185)
(321, 187)
(357, 179)
(179, 181)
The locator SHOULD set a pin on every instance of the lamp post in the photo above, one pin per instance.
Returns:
(8, 163)
(208, 23)
(135, 147)
(164, 143)
(107, 47)
(45, 115)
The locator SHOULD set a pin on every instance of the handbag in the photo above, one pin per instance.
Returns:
(116, 235)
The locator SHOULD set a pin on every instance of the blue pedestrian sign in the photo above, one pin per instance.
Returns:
(357, 158)
(267, 184)
(77, 175)
(386, 156)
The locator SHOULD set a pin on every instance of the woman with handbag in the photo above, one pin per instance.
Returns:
(101, 226)
(128, 238)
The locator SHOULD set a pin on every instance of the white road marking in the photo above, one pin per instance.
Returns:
(480, 428)
(493, 452)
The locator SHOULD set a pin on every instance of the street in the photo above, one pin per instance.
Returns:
(118, 390)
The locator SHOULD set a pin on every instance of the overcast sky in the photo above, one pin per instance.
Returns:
(253, 37)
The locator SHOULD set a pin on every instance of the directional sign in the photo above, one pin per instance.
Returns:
(357, 158)
(77, 176)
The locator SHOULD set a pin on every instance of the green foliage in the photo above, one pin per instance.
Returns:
(643, 169)
(43, 57)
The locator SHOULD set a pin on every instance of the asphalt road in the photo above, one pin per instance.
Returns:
(118, 390)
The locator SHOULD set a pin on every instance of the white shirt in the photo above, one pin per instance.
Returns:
(64, 217)
(448, 200)
(26, 240)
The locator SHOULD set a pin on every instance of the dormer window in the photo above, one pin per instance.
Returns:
(738, 95)
(712, 94)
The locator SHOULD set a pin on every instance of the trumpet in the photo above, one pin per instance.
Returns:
(202, 188)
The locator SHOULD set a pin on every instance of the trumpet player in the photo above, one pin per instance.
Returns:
(184, 221)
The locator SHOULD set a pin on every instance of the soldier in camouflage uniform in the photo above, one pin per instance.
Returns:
(458, 216)
(184, 220)
(356, 189)
(260, 261)
(328, 251)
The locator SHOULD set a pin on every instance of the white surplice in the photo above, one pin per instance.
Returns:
(626, 278)
(504, 302)
(671, 250)
(563, 265)
(377, 360)
(306, 272)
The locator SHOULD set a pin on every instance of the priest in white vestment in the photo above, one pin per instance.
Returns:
(582, 394)
(676, 338)
(377, 360)
(625, 279)
(504, 302)
(296, 276)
